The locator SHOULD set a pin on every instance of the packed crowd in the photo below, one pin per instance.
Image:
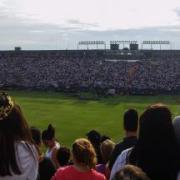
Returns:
(150, 149)
(87, 73)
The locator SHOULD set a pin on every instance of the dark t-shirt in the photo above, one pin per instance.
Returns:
(126, 143)
(46, 169)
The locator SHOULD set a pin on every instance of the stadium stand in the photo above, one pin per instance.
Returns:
(140, 72)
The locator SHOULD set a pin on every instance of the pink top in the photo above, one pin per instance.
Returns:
(71, 173)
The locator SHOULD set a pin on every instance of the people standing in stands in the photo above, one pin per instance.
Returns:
(46, 167)
(157, 150)
(49, 140)
(84, 159)
(95, 138)
(130, 127)
(18, 157)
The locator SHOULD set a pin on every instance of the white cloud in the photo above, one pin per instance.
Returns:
(107, 14)
(45, 24)
(177, 11)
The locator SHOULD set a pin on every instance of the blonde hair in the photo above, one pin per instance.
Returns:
(130, 172)
(107, 147)
(84, 153)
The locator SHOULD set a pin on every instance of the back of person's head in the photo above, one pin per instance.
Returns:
(36, 135)
(13, 128)
(176, 124)
(107, 147)
(157, 144)
(63, 156)
(94, 137)
(131, 120)
(104, 137)
(130, 172)
(83, 153)
(49, 133)
(156, 126)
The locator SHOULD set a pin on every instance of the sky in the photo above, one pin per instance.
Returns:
(61, 24)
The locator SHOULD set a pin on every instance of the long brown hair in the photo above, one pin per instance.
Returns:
(13, 128)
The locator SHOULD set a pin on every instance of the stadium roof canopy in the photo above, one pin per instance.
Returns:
(91, 42)
(123, 42)
(156, 42)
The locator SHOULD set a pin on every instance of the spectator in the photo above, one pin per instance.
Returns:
(130, 172)
(104, 137)
(95, 138)
(106, 147)
(176, 124)
(84, 158)
(157, 150)
(18, 157)
(49, 140)
(130, 127)
(63, 156)
(46, 167)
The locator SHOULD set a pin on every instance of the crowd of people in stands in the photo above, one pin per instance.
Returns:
(87, 73)
(150, 149)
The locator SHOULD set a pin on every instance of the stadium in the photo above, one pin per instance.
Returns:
(92, 76)
(89, 90)
(129, 70)
(84, 89)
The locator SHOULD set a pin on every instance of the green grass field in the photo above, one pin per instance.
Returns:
(73, 117)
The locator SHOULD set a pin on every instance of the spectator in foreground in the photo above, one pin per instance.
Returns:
(157, 150)
(18, 157)
(46, 167)
(130, 172)
(106, 147)
(84, 158)
(130, 127)
(49, 140)
(95, 138)
(176, 124)
(104, 137)
(63, 156)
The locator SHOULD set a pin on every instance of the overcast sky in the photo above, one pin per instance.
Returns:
(60, 24)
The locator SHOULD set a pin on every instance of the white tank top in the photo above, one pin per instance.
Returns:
(49, 152)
